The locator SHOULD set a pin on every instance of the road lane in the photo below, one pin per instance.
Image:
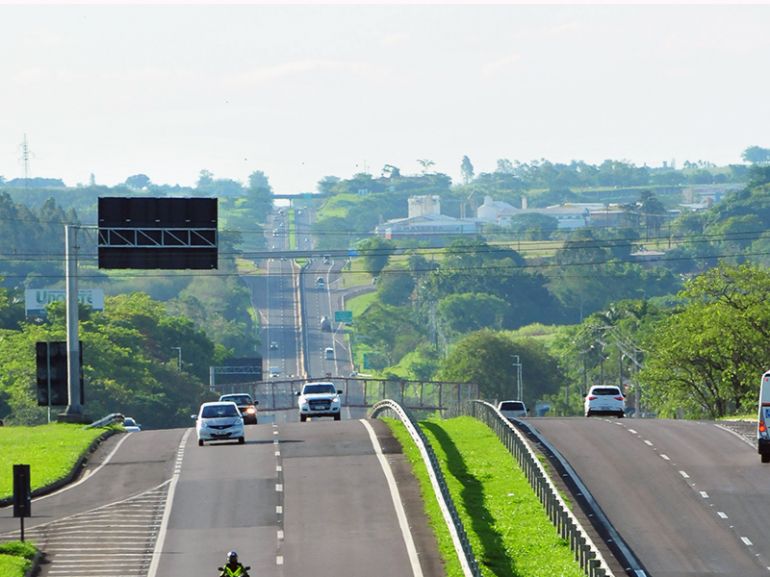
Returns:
(650, 477)
(225, 499)
(144, 461)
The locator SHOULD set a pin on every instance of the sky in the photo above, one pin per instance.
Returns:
(301, 92)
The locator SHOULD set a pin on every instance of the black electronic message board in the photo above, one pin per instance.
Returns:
(157, 233)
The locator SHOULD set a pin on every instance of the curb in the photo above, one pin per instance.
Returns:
(71, 476)
(35, 564)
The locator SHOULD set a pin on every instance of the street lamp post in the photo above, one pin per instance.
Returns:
(179, 357)
(519, 384)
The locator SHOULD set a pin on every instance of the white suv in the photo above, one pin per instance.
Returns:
(319, 400)
(512, 409)
(605, 400)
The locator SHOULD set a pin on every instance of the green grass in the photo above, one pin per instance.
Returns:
(359, 304)
(356, 276)
(50, 451)
(15, 558)
(508, 529)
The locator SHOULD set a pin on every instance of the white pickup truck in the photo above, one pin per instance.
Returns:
(319, 400)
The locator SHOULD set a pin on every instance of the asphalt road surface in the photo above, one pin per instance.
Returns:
(690, 498)
(309, 498)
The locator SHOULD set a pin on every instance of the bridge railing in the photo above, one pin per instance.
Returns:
(569, 528)
(422, 397)
(462, 546)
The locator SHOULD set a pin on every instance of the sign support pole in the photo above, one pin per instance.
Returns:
(74, 411)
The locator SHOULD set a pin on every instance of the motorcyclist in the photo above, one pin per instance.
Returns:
(233, 568)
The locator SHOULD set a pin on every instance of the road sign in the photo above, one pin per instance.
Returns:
(343, 316)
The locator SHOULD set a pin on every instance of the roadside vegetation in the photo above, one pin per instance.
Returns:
(509, 532)
(15, 558)
(50, 451)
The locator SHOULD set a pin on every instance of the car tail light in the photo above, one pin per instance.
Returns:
(592, 397)
(619, 398)
(762, 426)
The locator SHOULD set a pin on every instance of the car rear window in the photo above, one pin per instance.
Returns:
(214, 411)
(512, 406)
(238, 400)
(606, 391)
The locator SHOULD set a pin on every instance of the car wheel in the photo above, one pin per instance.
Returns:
(765, 457)
(241, 440)
(620, 415)
(588, 413)
(200, 442)
(336, 417)
(303, 418)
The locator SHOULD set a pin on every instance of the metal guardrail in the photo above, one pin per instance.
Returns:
(454, 523)
(569, 528)
(108, 420)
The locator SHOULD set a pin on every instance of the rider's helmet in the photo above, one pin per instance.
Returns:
(232, 557)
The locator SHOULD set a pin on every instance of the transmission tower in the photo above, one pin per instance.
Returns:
(25, 154)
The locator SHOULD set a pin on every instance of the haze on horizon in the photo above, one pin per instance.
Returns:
(305, 91)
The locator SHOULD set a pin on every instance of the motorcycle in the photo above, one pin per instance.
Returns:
(244, 574)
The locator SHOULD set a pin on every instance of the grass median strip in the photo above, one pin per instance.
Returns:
(510, 533)
(50, 451)
(15, 558)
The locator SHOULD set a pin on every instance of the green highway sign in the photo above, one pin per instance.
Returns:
(343, 316)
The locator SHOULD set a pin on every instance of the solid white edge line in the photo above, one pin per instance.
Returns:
(166, 514)
(741, 437)
(397, 504)
(86, 476)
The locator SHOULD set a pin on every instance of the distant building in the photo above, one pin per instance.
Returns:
(424, 205)
(569, 216)
(426, 223)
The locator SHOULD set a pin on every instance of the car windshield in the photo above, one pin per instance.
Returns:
(129, 422)
(313, 389)
(606, 391)
(214, 411)
(512, 406)
(238, 399)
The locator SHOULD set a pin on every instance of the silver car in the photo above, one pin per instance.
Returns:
(219, 421)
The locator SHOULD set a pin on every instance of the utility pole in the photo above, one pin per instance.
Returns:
(519, 384)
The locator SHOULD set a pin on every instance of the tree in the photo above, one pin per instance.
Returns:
(504, 166)
(468, 312)
(390, 171)
(376, 252)
(138, 181)
(486, 358)
(756, 155)
(466, 168)
(395, 286)
(326, 184)
(205, 179)
(426, 164)
(704, 359)
(653, 211)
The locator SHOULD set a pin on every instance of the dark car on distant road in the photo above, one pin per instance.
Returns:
(246, 405)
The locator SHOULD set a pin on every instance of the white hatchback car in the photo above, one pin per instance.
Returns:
(219, 421)
(605, 400)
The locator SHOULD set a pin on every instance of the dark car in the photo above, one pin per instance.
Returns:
(246, 405)
(326, 324)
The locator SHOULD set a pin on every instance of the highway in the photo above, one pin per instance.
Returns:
(295, 499)
(689, 498)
